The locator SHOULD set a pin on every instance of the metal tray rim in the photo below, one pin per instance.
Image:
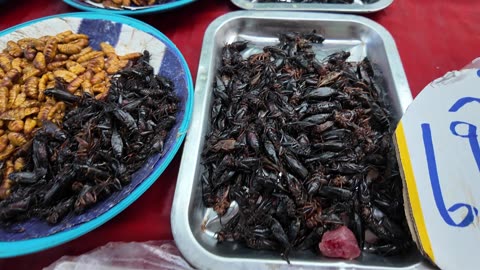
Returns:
(184, 238)
(344, 8)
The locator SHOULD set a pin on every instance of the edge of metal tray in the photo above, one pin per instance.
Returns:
(343, 8)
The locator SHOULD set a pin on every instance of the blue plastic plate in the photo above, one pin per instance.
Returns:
(126, 35)
(171, 4)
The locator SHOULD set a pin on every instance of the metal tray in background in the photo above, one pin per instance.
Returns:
(362, 37)
(356, 7)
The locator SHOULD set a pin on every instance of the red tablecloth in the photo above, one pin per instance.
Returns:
(433, 37)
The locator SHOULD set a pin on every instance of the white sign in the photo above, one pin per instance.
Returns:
(438, 145)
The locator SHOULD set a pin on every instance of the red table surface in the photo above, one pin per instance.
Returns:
(433, 37)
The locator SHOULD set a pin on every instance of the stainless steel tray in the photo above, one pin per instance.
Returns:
(356, 7)
(362, 37)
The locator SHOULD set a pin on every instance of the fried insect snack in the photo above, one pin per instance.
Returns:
(29, 66)
(119, 4)
(302, 146)
(96, 150)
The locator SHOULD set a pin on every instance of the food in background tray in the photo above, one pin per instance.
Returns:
(118, 4)
(303, 146)
(76, 133)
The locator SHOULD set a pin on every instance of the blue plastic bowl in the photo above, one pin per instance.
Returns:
(171, 4)
(126, 35)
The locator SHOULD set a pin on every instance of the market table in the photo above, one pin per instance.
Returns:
(433, 37)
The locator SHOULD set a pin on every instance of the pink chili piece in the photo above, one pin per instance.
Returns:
(339, 243)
